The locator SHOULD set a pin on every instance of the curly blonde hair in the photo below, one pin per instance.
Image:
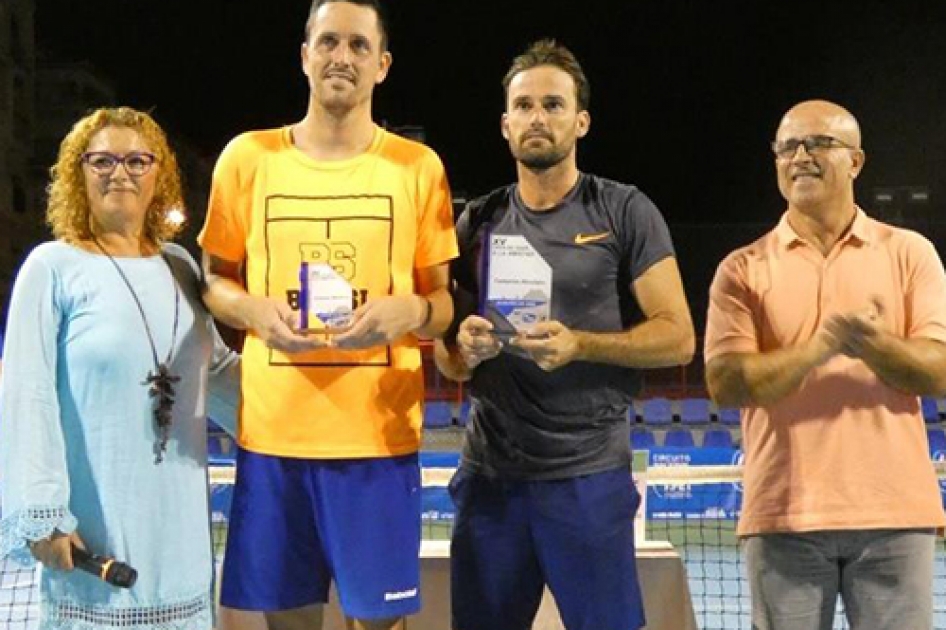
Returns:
(68, 212)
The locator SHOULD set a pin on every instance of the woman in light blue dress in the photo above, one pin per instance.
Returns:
(107, 360)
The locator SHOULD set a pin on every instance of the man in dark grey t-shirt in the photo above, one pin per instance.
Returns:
(544, 493)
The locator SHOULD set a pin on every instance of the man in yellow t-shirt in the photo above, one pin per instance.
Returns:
(328, 484)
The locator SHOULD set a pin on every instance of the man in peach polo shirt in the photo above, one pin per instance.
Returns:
(825, 331)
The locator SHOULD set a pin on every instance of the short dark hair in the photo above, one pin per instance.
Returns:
(548, 52)
(371, 4)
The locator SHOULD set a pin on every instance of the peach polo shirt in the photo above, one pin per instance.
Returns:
(845, 451)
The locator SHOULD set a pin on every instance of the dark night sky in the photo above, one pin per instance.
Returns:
(685, 95)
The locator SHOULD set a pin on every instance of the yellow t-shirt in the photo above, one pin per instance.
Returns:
(377, 217)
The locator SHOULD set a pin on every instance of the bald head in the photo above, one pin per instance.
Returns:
(818, 156)
(822, 117)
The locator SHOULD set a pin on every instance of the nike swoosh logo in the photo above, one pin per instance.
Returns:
(582, 239)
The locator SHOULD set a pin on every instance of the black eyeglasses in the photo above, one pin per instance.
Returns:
(136, 163)
(812, 144)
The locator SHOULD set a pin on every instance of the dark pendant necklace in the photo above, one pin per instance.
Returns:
(161, 380)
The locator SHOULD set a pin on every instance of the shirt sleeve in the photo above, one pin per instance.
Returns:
(464, 283)
(926, 292)
(229, 207)
(436, 237)
(646, 235)
(35, 490)
(730, 323)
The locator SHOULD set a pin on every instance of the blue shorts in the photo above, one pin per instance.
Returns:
(297, 524)
(511, 538)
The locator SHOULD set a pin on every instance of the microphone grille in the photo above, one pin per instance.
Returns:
(120, 574)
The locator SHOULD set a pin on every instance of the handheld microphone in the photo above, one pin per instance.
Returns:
(108, 569)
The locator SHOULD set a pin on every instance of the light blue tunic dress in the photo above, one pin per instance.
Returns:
(77, 434)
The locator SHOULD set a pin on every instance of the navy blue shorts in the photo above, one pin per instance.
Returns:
(297, 524)
(512, 538)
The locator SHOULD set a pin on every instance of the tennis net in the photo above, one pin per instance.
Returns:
(693, 507)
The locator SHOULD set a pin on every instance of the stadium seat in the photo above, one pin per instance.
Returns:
(464, 413)
(694, 411)
(728, 416)
(437, 414)
(717, 438)
(930, 410)
(679, 438)
(657, 411)
(439, 459)
(937, 439)
(221, 450)
(642, 440)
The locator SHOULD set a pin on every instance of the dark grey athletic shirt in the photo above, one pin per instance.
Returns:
(530, 424)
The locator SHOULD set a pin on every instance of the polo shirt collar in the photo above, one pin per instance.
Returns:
(860, 230)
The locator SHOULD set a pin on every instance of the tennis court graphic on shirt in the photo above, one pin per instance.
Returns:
(351, 234)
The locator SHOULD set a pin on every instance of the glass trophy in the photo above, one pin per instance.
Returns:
(325, 299)
(516, 285)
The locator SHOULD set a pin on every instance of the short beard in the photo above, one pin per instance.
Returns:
(540, 160)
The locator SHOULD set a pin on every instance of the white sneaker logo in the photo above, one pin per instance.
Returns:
(396, 595)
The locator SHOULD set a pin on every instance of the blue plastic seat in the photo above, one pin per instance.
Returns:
(937, 439)
(728, 416)
(717, 438)
(439, 459)
(694, 411)
(679, 438)
(221, 450)
(642, 440)
(657, 411)
(464, 413)
(437, 414)
(930, 409)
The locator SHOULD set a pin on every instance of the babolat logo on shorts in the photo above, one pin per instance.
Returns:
(397, 595)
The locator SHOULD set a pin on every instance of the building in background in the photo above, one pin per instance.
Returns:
(40, 99)
(65, 91)
(17, 192)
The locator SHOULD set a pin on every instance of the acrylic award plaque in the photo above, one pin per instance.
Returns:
(516, 285)
(325, 301)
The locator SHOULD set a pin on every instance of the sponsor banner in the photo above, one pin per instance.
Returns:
(721, 501)
(694, 501)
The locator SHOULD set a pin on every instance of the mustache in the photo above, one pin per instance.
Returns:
(339, 70)
(536, 134)
(799, 172)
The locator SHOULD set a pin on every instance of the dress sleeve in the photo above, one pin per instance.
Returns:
(34, 481)
(223, 373)
(223, 385)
